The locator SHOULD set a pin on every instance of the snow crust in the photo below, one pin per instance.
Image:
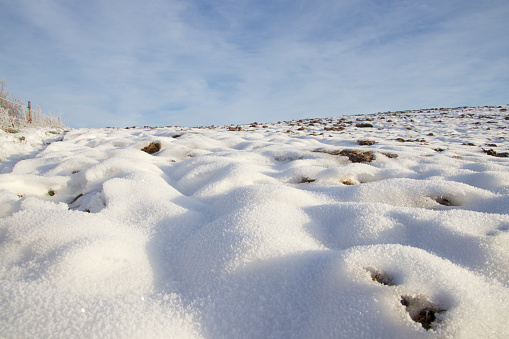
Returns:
(260, 233)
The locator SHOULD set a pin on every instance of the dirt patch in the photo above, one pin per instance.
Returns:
(152, 148)
(410, 140)
(390, 155)
(356, 155)
(349, 182)
(363, 125)
(494, 153)
(444, 201)
(421, 310)
(306, 180)
(366, 142)
(353, 155)
(235, 128)
(334, 128)
(381, 277)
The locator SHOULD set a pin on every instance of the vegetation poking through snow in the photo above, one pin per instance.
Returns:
(152, 148)
(14, 114)
(421, 310)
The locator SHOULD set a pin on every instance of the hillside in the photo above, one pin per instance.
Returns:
(389, 225)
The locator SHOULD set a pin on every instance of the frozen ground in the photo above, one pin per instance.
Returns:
(259, 231)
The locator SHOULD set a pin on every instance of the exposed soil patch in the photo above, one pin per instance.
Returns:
(363, 125)
(356, 155)
(494, 153)
(421, 310)
(381, 277)
(390, 155)
(306, 180)
(444, 201)
(152, 148)
(349, 182)
(334, 128)
(366, 142)
(410, 140)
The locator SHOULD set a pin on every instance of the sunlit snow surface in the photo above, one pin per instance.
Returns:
(255, 234)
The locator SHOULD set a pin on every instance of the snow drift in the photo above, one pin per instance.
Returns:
(260, 231)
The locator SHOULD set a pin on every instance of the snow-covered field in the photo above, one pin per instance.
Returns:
(261, 231)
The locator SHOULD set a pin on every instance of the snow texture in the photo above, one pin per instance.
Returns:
(259, 231)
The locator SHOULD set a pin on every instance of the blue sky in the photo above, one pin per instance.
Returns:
(123, 63)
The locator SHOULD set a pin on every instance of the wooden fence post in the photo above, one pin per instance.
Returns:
(29, 113)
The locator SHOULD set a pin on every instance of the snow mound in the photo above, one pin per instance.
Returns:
(251, 233)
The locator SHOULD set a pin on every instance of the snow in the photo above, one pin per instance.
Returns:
(260, 233)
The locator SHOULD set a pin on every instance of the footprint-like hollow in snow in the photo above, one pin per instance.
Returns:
(306, 180)
(381, 277)
(421, 310)
(444, 201)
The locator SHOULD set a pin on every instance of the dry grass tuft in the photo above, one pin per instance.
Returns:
(152, 148)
